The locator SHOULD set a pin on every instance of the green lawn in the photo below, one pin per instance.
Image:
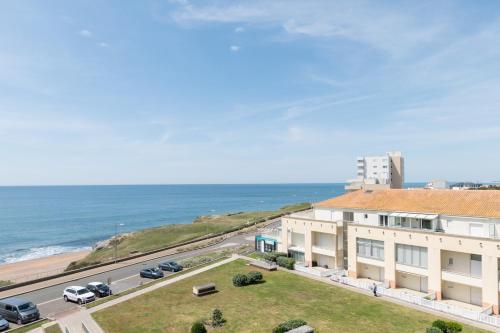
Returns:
(157, 238)
(259, 308)
(4, 283)
(53, 329)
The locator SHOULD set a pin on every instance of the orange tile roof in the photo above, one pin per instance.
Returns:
(477, 203)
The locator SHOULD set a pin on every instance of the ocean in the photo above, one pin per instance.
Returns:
(41, 221)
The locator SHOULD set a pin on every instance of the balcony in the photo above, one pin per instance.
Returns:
(324, 251)
(462, 278)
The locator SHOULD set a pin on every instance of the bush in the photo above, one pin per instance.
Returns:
(441, 324)
(289, 325)
(433, 330)
(273, 256)
(254, 277)
(447, 326)
(217, 318)
(285, 262)
(240, 280)
(198, 327)
(453, 327)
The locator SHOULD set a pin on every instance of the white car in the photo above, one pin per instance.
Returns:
(78, 294)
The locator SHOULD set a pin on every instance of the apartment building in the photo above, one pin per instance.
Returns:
(378, 172)
(440, 243)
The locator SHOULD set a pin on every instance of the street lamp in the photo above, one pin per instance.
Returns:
(116, 239)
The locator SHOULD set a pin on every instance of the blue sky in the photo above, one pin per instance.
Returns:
(95, 92)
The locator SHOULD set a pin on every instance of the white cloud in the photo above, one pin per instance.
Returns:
(239, 29)
(85, 33)
(103, 44)
(234, 48)
(395, 31)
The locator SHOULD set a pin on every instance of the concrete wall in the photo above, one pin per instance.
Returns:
(462, 293)
(461, 261)
(370, 272)
(323, 260)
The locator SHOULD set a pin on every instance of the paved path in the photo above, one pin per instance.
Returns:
(73, 321)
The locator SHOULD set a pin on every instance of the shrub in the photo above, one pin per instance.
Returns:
(453, 327)
(441, 324)
(289, 325)
(198, 327)
(433, 330)
(254, 277)
(273, 256)
(240, 280)
(285, 262)
(217, 318)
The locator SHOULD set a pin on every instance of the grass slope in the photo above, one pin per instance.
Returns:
(157, 238)
(259, 308)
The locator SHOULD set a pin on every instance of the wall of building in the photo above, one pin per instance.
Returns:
(456, 262)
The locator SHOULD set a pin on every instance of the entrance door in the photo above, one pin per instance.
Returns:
(476, 296)
(423, 284)
(475, 265)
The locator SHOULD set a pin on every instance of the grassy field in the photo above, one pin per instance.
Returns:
(53, 329)
(157, 238)
(260, 307)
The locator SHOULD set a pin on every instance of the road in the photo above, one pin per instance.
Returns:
(49, 300)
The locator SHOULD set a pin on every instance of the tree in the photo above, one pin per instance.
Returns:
(217, 318)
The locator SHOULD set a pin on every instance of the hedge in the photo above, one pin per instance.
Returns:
(285, 262)
(289, 325)
(198, 327)
(254, 277)
(240, 280)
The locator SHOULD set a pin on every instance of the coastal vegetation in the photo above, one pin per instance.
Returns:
(262, 307)
(4, 283)
(169, 235)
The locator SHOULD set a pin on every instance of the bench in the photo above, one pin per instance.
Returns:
(268, 265)
(204, 289)
(302, 329)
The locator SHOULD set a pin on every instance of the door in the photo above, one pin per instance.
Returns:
(475, 265)
(10, 314)
(423, 284)
(476, 296)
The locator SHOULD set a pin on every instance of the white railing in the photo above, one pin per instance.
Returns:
(427, 301)
(321, 272)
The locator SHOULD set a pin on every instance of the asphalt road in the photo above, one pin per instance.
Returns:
(49, 300)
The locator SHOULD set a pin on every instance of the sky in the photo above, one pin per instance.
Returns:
(181, 91)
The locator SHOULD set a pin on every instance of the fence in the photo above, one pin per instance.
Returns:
(483, 316)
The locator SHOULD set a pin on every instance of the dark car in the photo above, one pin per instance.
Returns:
(18, 310)
(4, 324)
(152, 273)
(99, 289)
(170, 266)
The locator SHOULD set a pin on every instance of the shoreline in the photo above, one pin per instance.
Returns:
(28, 269)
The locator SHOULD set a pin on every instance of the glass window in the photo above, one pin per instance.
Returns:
(405, 222)
(348, 216)
(411, 255)
(427, 224)
(476, 257)
(370, 248)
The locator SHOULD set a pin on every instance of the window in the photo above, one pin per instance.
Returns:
(427, 224)
(366, 216)
(411, 255)
(348, 216)
(476, 257)
(450, 261)
(383, 220)
(369, 248)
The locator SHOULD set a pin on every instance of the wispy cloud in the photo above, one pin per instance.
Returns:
(103, 44)
(239, 29)
(85, 33)
(234, 48)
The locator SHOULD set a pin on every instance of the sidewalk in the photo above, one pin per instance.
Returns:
(75, 321)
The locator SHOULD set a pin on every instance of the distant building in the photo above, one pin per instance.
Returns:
(378, 172)
(466, 186)
(437, 184)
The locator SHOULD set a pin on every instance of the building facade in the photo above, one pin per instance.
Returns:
(441, 243)
(378, 172)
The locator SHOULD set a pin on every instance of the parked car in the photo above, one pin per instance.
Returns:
(170, 266)
(99, 289)
(80, 295)
(152, 273)
(18, 310)
(4, 324)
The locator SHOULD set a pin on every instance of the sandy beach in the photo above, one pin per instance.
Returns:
(32, 269)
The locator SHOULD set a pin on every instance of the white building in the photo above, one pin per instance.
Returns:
(378, 172)
(441, 247)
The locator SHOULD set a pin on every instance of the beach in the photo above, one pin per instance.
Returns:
(36, 268)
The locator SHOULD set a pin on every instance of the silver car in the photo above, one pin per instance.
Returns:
(4, 324)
